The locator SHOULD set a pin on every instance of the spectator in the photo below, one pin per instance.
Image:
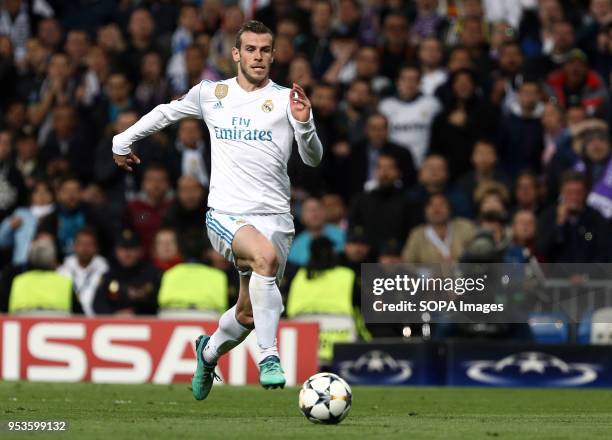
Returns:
(433, 178)
(151, 151)
(145, 213)
(492, 197)
(186, 212)
(521, 134)
(50, 33)
(335, 210)
(11, 182)
(597, 18)
(85, 268)
(115, 99)
(485, 168)
(343, 45)
(68, 141)
(192, 153)
(596, 164)
(396, 47)
(430, 61)
(141, 30)
(428, 23)
(507, 78)
(472, 37)
(186, 27)
(569, 149)
(442, 238)
(77, 46)
(354, 110)
(315, 225)
(27, 160)
(69, 217)
(153, 89)
(300, 72)
(410, 114)
(524, 226)
(15, 21)
(8, 71)
(527, 193)
(224, 39)
(41, 288)
(186, 69)
(284, 53)
(131, 285)
(165, 254)
(388, 199)
(366, 66)
(98, 69)
(571, 231)
(57, 88)
(556, 135)
(19, 229)
(602, 59)
(536, 28)
(563, 39)
(576, 84)
(493, 244)
(359, 167)
(15, 118)
(316, 45)
(465, 119)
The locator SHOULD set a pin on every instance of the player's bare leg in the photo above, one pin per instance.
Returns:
(256, 252)
(234, 326)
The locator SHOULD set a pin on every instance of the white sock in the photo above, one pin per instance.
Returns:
(267, 306)
(229, 334)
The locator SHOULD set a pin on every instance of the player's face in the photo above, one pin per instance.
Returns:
(254, 57)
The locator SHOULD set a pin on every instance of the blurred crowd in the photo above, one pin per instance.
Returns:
(452, 130)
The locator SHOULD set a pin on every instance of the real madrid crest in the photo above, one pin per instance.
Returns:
(221, 91)
(267, 106)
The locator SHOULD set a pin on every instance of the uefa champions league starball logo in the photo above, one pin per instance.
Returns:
(376, 366)
(531, 367)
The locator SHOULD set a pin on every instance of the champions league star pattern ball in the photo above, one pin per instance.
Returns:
(325, 398)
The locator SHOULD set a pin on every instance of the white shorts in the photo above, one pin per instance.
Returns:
(278, 228)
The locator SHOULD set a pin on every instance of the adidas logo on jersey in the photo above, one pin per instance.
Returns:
(218, 105)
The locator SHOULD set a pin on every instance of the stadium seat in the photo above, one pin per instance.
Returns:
(549, 328)
(583, 335)
(601, 327)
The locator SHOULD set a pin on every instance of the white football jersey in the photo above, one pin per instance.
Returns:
(410, 123)
(251, 137)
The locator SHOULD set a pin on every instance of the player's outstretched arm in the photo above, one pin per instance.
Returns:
(309, 144)
(157, 119)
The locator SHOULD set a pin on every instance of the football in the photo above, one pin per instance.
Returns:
(325, 398)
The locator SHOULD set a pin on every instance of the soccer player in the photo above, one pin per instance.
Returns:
(252, 123)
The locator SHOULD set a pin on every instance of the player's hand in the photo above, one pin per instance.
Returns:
(300, 104)
(125, 161)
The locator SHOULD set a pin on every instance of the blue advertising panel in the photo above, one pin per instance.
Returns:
(390, 363)
(528, 365)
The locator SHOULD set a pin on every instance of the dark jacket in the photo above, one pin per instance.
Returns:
(113, 293)
(385, 214)
(583, 240)
(520, 143)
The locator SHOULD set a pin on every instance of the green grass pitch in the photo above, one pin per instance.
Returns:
(248, 413)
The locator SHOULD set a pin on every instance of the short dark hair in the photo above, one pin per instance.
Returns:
(409, 66)
(254, 26)
(573, 176)
(88, 230)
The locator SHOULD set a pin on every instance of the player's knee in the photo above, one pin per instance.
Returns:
(266, 262)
